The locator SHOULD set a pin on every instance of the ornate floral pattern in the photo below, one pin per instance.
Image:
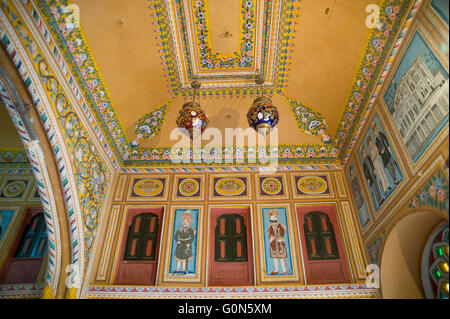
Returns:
(244, 58)
(72, 43)
(271, 186)
(433, 194)
(13, 157)
(188, 187)
(150, 125)
(308, 120)
(90, 173)
(375, 247)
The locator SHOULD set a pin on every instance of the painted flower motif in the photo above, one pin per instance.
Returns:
(441, 196)
(432, 191)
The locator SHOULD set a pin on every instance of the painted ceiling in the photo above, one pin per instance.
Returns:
(134, 61)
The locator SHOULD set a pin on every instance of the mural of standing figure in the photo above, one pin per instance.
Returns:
(277, 243)
(184, 238)
(384, 150)
(370, 174)
(357, 195)
(378, 165)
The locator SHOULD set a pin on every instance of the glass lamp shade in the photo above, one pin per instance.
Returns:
(191, 116)
(263, 115)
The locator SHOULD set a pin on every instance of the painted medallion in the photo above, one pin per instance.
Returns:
(148, 187)
(14, 189)
(312, 185)
(230, 187)
(271, 186)
(188, 187)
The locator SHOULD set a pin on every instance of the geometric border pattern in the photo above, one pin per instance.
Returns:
(291, 292)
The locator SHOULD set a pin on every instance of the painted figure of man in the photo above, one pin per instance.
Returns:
(357, 195)
(370, 176)
(378, 165)
(384, 148)
(184, 238)
(277, 243)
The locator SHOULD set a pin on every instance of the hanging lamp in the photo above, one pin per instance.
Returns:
(191, 115)
(262, 116)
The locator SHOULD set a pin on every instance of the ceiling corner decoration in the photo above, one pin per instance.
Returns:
(308, 120)
(265, 39)
(150, 125)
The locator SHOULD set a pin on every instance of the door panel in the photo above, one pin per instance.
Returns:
(323, 250)
(230, 252)
(139, 250)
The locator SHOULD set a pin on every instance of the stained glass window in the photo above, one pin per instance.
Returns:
(435, 266)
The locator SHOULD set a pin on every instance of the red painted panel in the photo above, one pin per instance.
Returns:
(138, 272)
(320, 272)
(230, 273)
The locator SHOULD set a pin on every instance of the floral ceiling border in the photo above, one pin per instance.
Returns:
(72, 43)
(14, 157)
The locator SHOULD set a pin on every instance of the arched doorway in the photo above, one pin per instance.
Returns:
(400, 272)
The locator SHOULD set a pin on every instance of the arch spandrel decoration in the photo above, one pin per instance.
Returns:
(84, 175)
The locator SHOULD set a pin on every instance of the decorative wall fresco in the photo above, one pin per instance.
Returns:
(13, 158)
(433, 194)
(145, 188)
(381, 40)
(239, 187)
(15, 188)
(345, 155)
(230, 187)
(382, 173)
(358, 195)
(311, 186)
(277, 250)
(271, 186)
(309, 121)
(39, 180)
(417, 97)
(189, 187)
(150, 125)
(375, 246)
(183, 263)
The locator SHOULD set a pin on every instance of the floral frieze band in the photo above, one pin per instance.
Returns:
(13, 157)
